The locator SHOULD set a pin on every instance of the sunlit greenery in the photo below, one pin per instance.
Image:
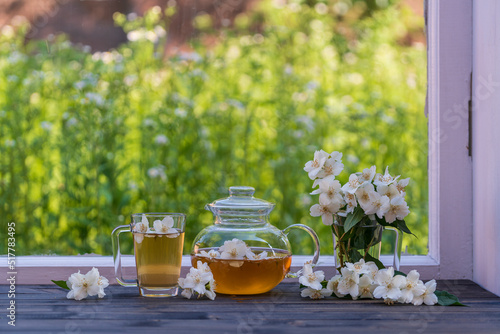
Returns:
(87, 139)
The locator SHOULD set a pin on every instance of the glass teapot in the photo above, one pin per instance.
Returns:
(247, 255)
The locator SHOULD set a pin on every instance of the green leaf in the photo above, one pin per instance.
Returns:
(61, 284)
(397, 272)
(447, 299)
(353, 218)
(369, 258)
(401, 225)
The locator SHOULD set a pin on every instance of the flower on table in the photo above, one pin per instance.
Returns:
(333, 285)
(362, 267)
(90, 284)
(366, 287)
(414, 287)
(166, 226)
(199, 280)
(389, 286)
(348, 284)
(310, 278)
(428, 297)
(316, 294)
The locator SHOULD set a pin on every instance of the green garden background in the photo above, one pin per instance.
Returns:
(87, 138)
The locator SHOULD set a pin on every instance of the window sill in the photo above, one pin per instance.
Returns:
(43, 269)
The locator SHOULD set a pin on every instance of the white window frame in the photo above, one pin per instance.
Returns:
(449, 31)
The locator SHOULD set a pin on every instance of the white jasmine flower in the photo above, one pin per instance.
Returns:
(161, 140)
(360, 267)
(196, 279)
(353, 184)
(213, 254)
(333, 284)
(314, 166)
(210, 289)
(384, 180)
(398, 209)
(389, 285)
(233, 249)
(330, 193)
(141, 228)
(326, 211)
(315, 294)
(364, 195)
(368, 174)
(351, 201)
(414, 287)
(428, 297)
(401, 185)
(90, 284)
(166, 226)
(252, 256)
(348, 284)
(378, 205)
(390, 191)
(311, 279)
(366, 287)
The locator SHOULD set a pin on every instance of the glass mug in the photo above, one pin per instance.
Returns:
(158, 244)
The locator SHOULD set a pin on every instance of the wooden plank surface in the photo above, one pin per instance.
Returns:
(44, 308)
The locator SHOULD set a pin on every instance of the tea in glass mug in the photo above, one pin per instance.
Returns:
(158, 244)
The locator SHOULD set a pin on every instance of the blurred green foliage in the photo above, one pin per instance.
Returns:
(87, 139)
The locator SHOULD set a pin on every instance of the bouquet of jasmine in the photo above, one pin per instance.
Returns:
(358, 210)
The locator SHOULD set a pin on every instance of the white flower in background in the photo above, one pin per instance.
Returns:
(190, 56)
(401, 185)
(90, 284)
(141, 228)
(352, 185)
(378, 205)
(390, 191)
(288, 70)
(414, 287)
(314, 166)
(252, 256)
(398, 209)
(364, 195)
(212, 254)
(428, 297)
(233, 249)
(180, 112)
(368, 174)
(10, 142)
(12, 78)
(312, 85)
(161, 140)
(326, 212)
(348, 284)
(157, 172)
(310, 278)
(361, 267)
(186, 293)
(366, 287)
(333, 285)
(47, 126)
(166, 226)
(71, 122)
(351, 201)
(389, 285)
(384, 180)
(93, 97)
(148, 122)
(316, 294)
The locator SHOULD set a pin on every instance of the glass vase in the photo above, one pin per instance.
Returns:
(363, 241)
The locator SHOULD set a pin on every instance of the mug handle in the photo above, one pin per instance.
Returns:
(398, 242)
(311, 233)
(117, 256)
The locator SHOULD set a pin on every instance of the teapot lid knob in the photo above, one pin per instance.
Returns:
(241, 191)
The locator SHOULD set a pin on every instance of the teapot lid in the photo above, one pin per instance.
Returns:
(240, 203)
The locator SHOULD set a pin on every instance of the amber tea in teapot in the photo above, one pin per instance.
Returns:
(246, 254)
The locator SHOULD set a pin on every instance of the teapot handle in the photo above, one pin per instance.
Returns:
(311, 233)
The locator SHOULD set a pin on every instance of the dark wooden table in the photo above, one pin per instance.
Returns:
(44, 308)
